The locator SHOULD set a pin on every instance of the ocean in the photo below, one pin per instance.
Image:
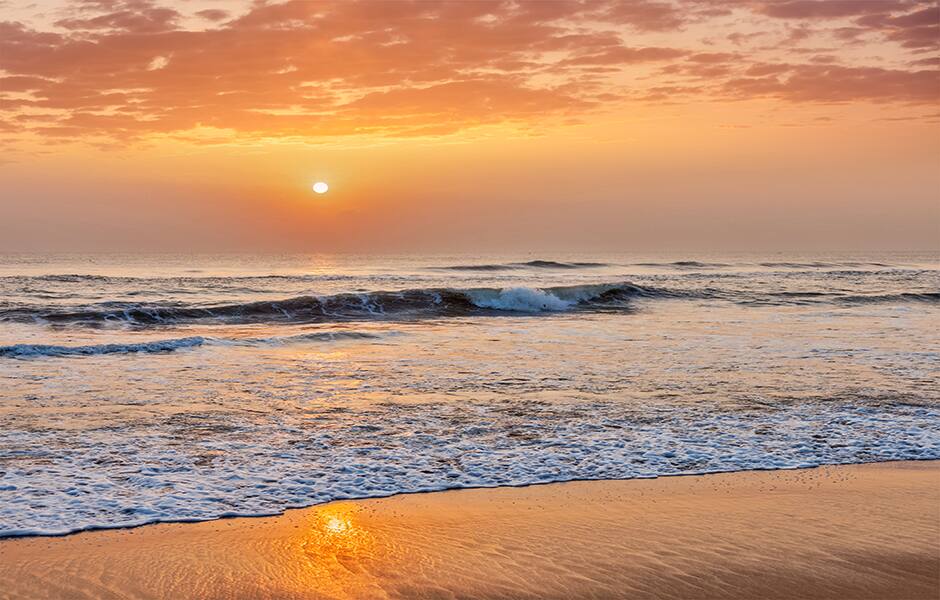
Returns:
(144, 388)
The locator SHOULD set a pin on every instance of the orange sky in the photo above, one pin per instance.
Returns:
(487, 126)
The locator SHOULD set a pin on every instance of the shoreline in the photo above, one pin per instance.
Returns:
(185, 521)
(848, 531)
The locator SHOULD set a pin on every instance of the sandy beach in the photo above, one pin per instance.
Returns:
(848, 532)
(463, 300)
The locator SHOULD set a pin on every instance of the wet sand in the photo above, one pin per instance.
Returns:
(855, 532)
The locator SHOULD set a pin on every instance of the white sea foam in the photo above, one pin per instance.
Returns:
(196, 397)
(127, 477)
(519, 299)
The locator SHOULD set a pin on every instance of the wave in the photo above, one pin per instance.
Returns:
(532, 264)
(416, 303)
(316, 336)
(685, 264)
(385, 451)
(822, 265)
(434, 303)
(478, 268)
(790, 298)
(170, 345)
(680, 265)
(193, 277)
(35, 350)
(930, 297)
(188, 279)
(550, 264)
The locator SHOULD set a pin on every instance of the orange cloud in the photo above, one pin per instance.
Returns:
(213, 14)
(913, 25)
(133, 16)
(830, 83)
(127, 69)
(829, 9)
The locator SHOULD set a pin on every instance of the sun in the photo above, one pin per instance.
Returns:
(321, 187)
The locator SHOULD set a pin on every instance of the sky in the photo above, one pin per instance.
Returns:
(483, 126)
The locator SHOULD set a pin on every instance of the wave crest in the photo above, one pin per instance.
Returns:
(417, 303)
(433, 303)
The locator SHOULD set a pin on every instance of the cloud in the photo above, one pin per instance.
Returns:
(829, 9)
(213, 14)
(139, 16)
(129, 69)
(621, 55)
(911, 24)
(833, 83)
(654, 16)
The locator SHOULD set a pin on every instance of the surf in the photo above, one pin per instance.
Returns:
(379, 305)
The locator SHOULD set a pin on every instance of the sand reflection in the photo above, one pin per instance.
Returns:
(680, 537)
(335, 549)
(336, 529)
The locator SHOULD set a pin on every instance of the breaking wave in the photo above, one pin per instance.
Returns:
(427, 303)
(424, 303)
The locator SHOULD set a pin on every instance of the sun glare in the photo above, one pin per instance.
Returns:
(321, 187)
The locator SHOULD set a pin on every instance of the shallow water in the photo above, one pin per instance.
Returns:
(144, 388)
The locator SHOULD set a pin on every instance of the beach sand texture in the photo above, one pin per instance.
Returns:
(848, 532)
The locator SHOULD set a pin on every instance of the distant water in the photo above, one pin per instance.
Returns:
(146, 388)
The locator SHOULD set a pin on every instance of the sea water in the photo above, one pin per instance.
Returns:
(146, 388)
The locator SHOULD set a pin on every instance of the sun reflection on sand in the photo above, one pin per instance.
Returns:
(335, 547)
(337, 525)
(332, 552)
